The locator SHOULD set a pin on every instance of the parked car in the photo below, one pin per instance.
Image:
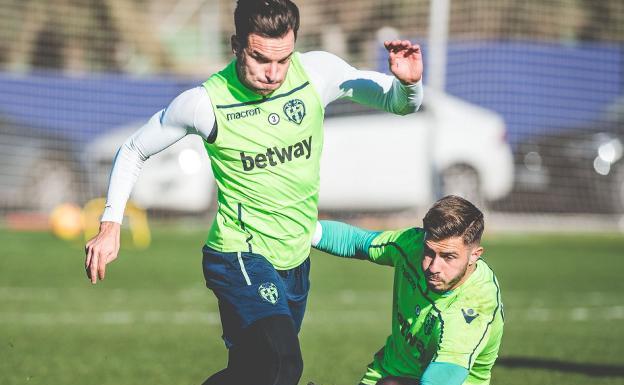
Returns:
(38, 170)
(371, 160)
(380, 161)
(578, 169)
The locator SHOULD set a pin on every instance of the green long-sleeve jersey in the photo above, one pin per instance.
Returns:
(463, 326)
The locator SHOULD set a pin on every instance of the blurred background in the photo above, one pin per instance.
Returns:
(523, 114)
(524, 110)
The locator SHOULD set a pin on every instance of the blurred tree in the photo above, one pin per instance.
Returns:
(605, 21)
(78, 35)
(49, 46)
(138, 32)
(21, 38)
(126, 35)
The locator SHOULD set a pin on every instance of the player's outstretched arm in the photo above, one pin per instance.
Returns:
(343, 240)
(383, 248)
(102, 250)
(164, 129)
(405, 60)
(189, 113)
(335, 79)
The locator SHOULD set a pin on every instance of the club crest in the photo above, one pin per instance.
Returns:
(268, 292)
(294, 110)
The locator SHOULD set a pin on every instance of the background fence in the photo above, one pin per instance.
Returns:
(77, 76)
(523, 113)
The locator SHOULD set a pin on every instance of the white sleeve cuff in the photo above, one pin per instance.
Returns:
(318, 234)
(112, 215)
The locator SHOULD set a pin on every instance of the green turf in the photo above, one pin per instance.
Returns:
(152, 320)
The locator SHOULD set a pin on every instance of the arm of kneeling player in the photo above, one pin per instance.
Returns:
(444, 373)
(382, 248)
(343, 240)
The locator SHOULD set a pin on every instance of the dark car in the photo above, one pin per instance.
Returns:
(38, 170)
(576, 170)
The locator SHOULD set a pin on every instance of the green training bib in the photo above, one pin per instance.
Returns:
(266, 163)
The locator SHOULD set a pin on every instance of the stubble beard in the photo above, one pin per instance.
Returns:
(451, 283)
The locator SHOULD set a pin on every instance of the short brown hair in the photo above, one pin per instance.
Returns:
(269, 18)
(454, 216)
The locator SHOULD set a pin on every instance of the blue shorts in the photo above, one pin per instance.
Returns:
(249, 288)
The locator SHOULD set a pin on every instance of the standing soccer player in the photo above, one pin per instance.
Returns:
(261, 121)
(447, 314)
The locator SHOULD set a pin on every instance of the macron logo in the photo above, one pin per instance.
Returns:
(243, 114)
(275, 156)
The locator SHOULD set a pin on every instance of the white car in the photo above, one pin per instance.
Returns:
(382, 161)
(370, 161)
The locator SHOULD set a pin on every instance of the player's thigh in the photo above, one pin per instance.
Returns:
(247, 287)
(297, 284)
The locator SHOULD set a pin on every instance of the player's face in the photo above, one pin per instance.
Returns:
(263, 63)
(448, 263)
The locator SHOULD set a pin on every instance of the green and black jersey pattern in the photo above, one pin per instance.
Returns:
(463, 326)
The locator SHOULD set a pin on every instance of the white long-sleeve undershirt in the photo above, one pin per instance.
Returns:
(191, 113)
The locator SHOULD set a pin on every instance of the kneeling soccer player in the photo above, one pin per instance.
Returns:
(447, 317)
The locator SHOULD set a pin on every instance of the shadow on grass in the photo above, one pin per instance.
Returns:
(597, 370)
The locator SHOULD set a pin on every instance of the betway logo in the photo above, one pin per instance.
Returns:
(275, 156)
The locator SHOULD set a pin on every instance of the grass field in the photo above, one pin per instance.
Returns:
(153, 321)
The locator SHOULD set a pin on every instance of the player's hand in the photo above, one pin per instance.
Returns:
(405, 60)
(102, 250)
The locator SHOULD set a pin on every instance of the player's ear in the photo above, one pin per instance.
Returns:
(475, 254)
(235, 43)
